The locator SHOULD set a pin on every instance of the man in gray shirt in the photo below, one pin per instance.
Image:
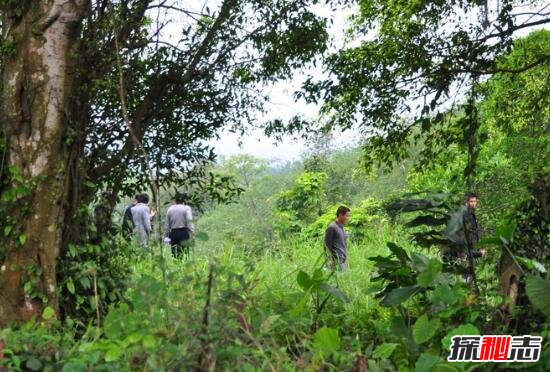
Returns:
(179, 224)
(335, 238)
(142, 218)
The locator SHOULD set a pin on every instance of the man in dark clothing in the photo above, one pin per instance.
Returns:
(335, 238)
(179, 225)
(127, 220)
(463, 230)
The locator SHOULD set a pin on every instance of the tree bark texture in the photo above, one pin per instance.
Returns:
(36, 89)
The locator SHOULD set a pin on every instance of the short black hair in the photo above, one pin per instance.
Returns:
(180, 198)
(142, 198)
(470, 195)
(342, 210)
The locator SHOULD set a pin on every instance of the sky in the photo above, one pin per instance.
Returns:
(281, 105)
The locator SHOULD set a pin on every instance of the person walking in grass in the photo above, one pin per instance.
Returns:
(336, 237)
(141, 216)
(179, 225)
(127, 220)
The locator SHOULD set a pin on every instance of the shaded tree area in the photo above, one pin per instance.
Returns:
(412, 67)
(64, 136)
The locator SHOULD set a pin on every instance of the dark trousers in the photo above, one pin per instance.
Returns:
(178, 237)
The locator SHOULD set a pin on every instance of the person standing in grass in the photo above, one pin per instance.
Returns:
(179, 225)
(464, 231)
(127, 221)
(335, 238)
(141, 216)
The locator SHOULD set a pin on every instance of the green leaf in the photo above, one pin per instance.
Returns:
(304, 280)
(424, 329)
(22, 239)
(399, 252)
(506, 231)
(132, 338)
(113, 354)
(149, 342)
(537, 290)
(300, 307)
(70, 286)
(85, 282)
(531, 264)
(74, 366)
(463, 330)
(48, 313)
(7, 230)
(428, 276)
(426, 362)
(444, 294)
(335, 292)
(427, 220)
(27, 287)
(326, 341)
(317, 275)
(33, 364)
(399, 295)
(384, 351)
(420, 262)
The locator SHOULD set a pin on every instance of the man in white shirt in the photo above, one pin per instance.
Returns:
(141, 217)
(179, 224)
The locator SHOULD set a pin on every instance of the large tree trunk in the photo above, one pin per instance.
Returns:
(37, 83)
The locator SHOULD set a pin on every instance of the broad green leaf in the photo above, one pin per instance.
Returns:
(538, 291)
(317, 275)
(531, 264)
(399, 252)
(132, 338)
(424, 329)
(113, 354)
(300, 307)
(304, 280)
(335, 292)
(33, 364)
(463, 330)
(326, 341)
(506, 231)
(399, 295)
(74, 366)
(420, 262)
(22, 239)
(444, 294)
(48, 313)
(426, 362)
(427, 220)
(70, 286)
(384, 351)
(428, 276)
